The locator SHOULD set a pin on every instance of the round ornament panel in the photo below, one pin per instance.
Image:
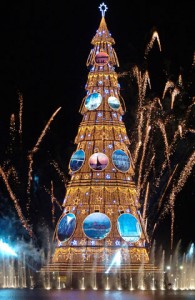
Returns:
(93, 101)
(129, 228)
(96, 226)
(66, 227)
(121, 160)
(113, 102)
(77, 160)
(101, 59)
(98, 161)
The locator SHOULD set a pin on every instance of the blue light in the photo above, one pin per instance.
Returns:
(191, 250)
(5, 249)
(117, 243)
(116, 261)
(107, 176)
(74, 242)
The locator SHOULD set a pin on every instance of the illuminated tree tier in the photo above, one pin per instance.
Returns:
(101, 217)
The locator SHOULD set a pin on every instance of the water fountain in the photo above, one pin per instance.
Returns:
(176, 273)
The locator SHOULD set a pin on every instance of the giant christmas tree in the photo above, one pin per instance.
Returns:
(101, 229)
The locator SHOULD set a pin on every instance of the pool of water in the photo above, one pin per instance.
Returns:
(41, 294)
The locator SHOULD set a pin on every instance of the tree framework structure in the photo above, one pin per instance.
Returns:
(101, 228)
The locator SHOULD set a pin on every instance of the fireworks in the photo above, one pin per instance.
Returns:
(33, 151)
(155, 142)
(174, 94)
(163, 130)
(177, 188)
(145, 202)
(57, 168)
(169, 84)
(10, 173)
(154, 37)
(20, 115)
(157, 169)
(16, 204)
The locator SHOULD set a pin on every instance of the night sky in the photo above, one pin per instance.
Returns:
(43, 53)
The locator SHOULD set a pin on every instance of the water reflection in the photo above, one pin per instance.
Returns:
(40, 294)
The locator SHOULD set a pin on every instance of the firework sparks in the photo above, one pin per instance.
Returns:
(147, 173)
(12, 172)
(185, 173)
(36, 147)
(175, 92)
(16, 204)
(145, 202)
(193, 63)
(57, 168)
(33, 151)
(139, 143)
(142, 82)
(52, 203)
(182, 178)
(163, 130)
(154, 37)
(180, 80)
(20, 114)
(148, 127)
(12, 131)
(169, 84)
(180, 130)
(168, 183)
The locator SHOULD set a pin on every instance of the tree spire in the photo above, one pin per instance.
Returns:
(103, 8)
